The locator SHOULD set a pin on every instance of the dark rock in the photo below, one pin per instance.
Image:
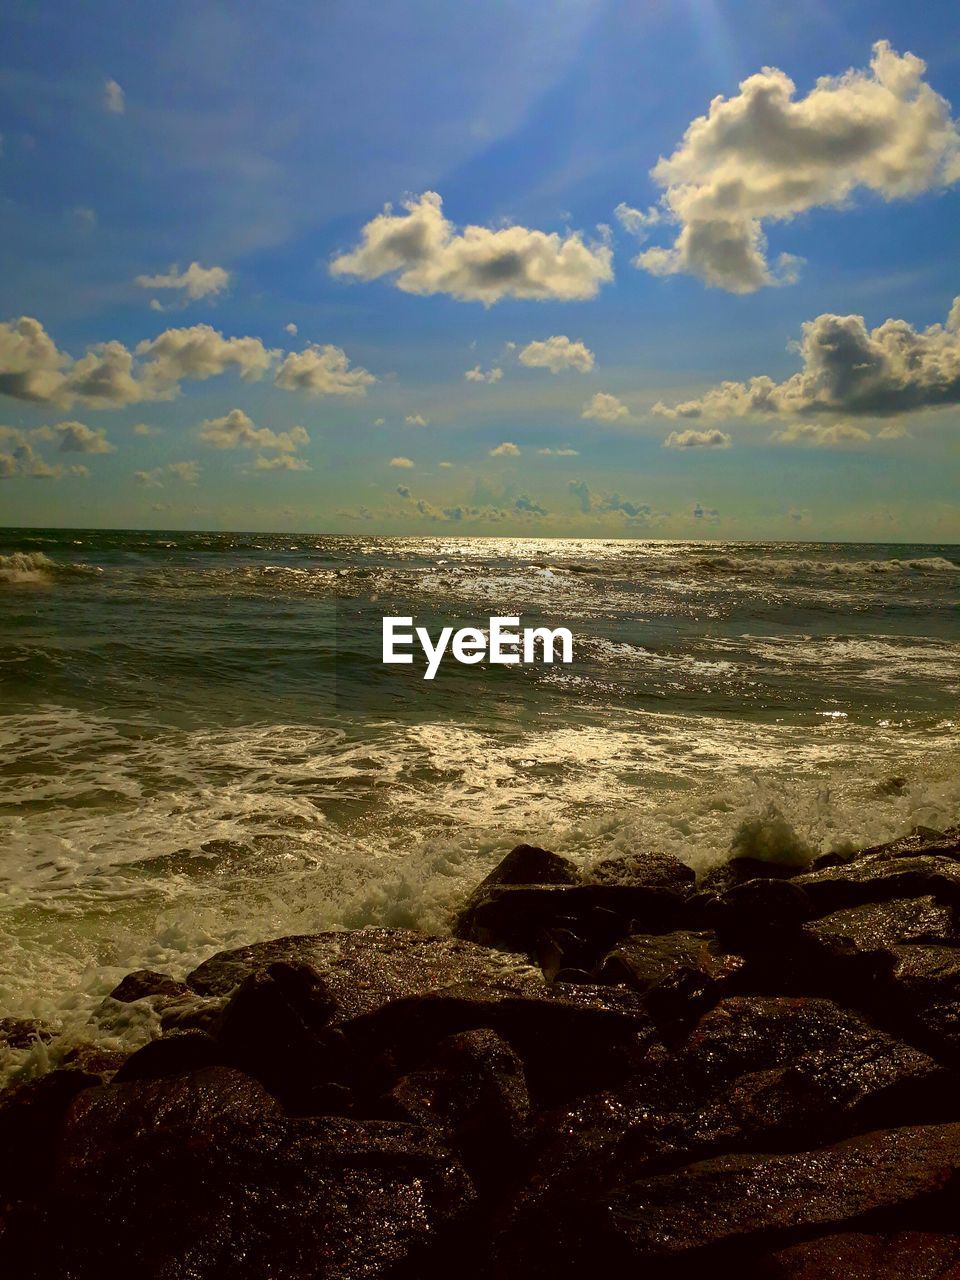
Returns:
(514, 916)
(191, 1013)
(474, 1089)
(758, 912)
(146, 982)
(170, 1056)
(203, 1175)
(882, 878)
(24, 1033)
(366, 968)
(679, 973)
(657, 871)
(855, 1255)
(93, 1060)
(926, 841)
(32, 1116)
(748, 1201)
(527, 864)
(736, 870)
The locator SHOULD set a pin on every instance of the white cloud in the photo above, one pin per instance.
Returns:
(292, 329)
(200, 352)
(605, 408)
(819, 436)
(505, 450)
(144, 429)
(281, 462)
(426, 254)
(186, 472)
(196, 282)
(691, 439)
(559, 453)
(76, 438)
(557, 353)
(236, 430)
(636, 221)
(416, 420)
(22, 461)
(379, 422)
(848, 370)
(447, 466)
(401, 462)
(322, 371)
(476, 374)
(114, 99)
(765, 155)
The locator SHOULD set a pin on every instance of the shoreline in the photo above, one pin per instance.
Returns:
(758, 1069)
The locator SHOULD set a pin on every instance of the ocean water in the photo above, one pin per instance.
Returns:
(199, 747)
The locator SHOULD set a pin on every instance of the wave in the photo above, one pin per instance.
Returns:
(34, 566)
(839, 568)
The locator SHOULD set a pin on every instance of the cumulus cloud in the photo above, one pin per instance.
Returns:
(186, 472)
(424, 253)
(505, 450)
(199, 352)
(281, 462)
(848, 370)
(818, 435)
(476, 374)
(404, 491)
(74, 437)
(691, 439)
(590, 502)
(195, 282)
(114, 99)
(558, 453)
(401, 462)
(416, 420)
(709, 515)
(144, 429)
(556, 354)
(236, 430)
(292, 329)
(636, 221)
(322, 371)
(22, 461)
(605, 408)
(766, 155)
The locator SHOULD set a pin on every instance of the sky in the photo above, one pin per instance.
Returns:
(577, 268)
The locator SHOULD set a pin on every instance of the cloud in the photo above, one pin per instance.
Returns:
(200, 352)
(447, 466)
(709, 515)
(292, 329)
(196, 282)
(77, 438)
(691, 439)
(765, 155)
(186, 472)
(589, 502)
(824, 437)
(114, 99)
(24, 462)
(322, 371)
(505, 450)
(425, 254)
(848, 370)
(236, 430)
(636, 221)
(525, 505)
(558, 453)
(404, 491)
(281, 462)
(144, 429)
(416, 420)
(476, 374)
(379, 422)
(556, 354)
(581, 491)
(401, 462)
(605, 408)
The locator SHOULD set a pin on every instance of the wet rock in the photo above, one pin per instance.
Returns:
(170, 1056)
(657, 871)
(203, 1175)
(741, 1200)
(679, 973)
(32, 1115)
(927, 841)
(366, 968)
(855, 1255)
(514, 916)
(474, 1089)
(24, 1033)
(737, 870)
(757, 913)
(94, 1060)
(191, 1013)
(527, 864)
(146, 982)
(882, 879)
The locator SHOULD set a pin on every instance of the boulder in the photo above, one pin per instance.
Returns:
(856, 1255)
(736, 870)
(146, 982)
(646, 870)
(881, 879)
(680, 973)
(528, 864)
(203, 1175)
(171, 1055)
(756, 913)
(513, 917)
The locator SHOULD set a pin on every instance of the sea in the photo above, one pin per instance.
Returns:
(200, 746)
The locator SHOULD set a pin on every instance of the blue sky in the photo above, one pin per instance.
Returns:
(261, 143)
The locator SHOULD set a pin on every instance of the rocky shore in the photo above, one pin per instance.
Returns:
(621, 1071)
